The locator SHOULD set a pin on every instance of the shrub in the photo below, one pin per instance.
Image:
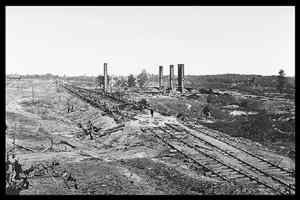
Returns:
(223, 99)
(257, 127)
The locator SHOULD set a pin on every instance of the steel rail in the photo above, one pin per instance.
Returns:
(236, 170)
(233, 156)
(247, 152)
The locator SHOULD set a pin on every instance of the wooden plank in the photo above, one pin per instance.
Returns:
(243, 179)
(223, 168)
(228, 171)
(26, 148)
(235, 176)
(214, 165)
(90, 153)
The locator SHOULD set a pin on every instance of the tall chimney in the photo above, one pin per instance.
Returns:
(105, 77)
(171, 77)
(181, 77)
(160, 78)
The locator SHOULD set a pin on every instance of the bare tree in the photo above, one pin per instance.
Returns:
(100, 80)
(142, 78)
(281, 80)
(120, 82)
(131, 82)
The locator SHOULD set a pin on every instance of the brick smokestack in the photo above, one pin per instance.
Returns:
(181, 77)
(160, 76)
(171, 77)
(105, 78)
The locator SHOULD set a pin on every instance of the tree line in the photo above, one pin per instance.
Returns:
(282, 83)
(130, 81)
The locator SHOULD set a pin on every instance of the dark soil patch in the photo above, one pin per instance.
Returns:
(177, 107)
(222, 100)
(171, 181)
(260, 128)
(92, 177)
(24, 128)
(100, 178)
(41, 103)
(19, 118)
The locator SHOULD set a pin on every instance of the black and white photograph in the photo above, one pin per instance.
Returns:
(150, 100)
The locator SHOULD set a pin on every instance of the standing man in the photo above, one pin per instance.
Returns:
(151, 112)
(9, 170)
(68, 106)
(72, 107)
(12, 169)
(90, 129)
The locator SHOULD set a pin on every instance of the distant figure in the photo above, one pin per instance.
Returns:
(25, 182)
(206, 112)
(18, 169)
(68, 177)
(117, 109)
(151, 112)
(68, 106)
(90, 129)
(181, 116)
(9, 170)
(26, 172)
(188, 108)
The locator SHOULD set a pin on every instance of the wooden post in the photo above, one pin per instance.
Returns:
(105, 77)
(32, 97)
(171, 77)
(14, 141)
(160, 76)
(181, 77)
(32, 93)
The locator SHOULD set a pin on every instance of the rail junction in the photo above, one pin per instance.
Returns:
(220, 156)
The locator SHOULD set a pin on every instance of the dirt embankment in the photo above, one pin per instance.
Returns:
(268, 122)
(44, 121)
(122, 162)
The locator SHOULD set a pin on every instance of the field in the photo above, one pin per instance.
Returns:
(267, 123)
(128, 161)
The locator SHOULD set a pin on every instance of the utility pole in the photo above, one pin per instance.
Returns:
(32, 97)
(21, 87)
(14, 141)
(171, 78)
(32, 93)
(160, 76)
(111, 83)
(105, 77)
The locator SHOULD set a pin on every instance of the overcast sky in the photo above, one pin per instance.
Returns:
(207, 40)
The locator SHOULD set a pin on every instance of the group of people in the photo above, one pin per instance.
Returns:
(16, 178)
(89, 130)
(70, 107)
(207, 112)
(67, 178)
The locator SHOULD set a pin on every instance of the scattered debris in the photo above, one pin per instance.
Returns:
(94, 126)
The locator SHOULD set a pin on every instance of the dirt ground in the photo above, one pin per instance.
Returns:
(123, 162)
(268, 121)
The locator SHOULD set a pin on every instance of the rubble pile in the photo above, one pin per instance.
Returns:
(17, 177)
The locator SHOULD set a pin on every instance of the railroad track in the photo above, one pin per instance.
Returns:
(251, 168)
(105, 102)
(257, 163)
(175, 139)
(231, 142)
(110, 98)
